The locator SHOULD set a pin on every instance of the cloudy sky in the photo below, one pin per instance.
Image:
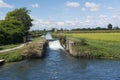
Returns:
(67, 13)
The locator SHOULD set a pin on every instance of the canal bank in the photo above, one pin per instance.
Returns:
(34, 49)
(57, 65)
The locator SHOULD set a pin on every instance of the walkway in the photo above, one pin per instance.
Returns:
(6, 50)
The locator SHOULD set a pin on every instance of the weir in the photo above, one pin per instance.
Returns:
(53, 44)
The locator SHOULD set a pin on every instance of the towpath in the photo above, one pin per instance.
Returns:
(6, 50)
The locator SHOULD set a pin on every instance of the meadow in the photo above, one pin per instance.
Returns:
(115, 37)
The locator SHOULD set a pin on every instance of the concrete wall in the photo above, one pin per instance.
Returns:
(68, 46)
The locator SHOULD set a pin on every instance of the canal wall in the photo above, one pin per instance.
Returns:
(68, 45)
(74, 46)
(35, 50)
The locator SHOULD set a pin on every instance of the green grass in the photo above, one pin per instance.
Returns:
(12, 56)
(16, 55)
(38, 39)
(99, 45)
(97, 36)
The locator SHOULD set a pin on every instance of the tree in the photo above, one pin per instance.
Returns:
(53, 29)
(116, 27)
(16, 25)
(98, 28)
(11, 32)
(21, 15)
(109, 26)
(61, 29)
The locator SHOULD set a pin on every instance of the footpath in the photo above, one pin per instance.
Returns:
(6, 50)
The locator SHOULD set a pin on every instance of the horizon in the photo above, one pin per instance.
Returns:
(67, 14)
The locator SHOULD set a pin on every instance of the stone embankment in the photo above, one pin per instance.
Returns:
(35, 50)
(68, 46)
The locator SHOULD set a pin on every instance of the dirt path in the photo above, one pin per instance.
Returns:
(6, 50)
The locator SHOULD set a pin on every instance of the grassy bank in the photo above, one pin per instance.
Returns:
(99, 45)
(12, 56)
(16, 55)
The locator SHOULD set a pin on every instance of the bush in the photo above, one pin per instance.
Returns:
(62, 39)
(83, 42)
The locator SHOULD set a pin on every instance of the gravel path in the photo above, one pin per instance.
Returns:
(6, 50)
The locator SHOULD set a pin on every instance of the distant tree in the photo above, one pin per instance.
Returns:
(116, 27)
(61, 29)
(98, 28)
(110, 26)
(44, 30)
(53, 29)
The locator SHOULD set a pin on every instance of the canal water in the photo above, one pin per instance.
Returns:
(58, 65)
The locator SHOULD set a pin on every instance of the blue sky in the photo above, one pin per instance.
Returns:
(67, 13)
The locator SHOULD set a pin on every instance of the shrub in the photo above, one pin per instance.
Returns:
(83, 42)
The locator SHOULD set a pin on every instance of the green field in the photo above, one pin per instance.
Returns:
(99, 45)
(97, 36)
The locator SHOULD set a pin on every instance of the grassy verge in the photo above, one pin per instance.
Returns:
(12, 56)
(99, 45)
(16, 55)
(98, 49)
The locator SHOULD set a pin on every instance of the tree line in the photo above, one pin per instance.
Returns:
(15, 26)
(109, 27)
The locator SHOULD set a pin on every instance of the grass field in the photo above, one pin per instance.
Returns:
(99, 45)
(97, 36)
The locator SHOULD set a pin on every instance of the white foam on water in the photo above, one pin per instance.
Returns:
(55, 45)
(48, 36)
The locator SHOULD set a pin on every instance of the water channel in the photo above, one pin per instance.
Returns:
(58, 65)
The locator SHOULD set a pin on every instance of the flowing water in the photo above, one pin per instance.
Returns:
(58, 65)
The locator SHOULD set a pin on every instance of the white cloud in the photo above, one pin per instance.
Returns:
(92, 6)
(72, 4)
(35, 5)
(5, 5)
(102, 16)
(61, 23)
(89, 17)
(116, 17)
(110, 8)
(89, 21)
(83, 9)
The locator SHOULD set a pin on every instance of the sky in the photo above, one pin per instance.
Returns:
(67, 14)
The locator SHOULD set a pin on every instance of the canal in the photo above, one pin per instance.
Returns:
(58, 65)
